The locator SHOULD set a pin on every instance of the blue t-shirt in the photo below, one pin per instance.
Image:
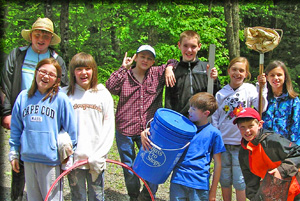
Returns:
(192, 170)
(31, 60)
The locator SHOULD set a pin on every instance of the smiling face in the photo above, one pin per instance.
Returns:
(189, 48)
(46, 77)
(83, 76)
(250, 128)
(40, 41)
(276, 78)
(237, 73)
(144, 60)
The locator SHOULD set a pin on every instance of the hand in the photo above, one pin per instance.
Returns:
(127, 61)
(170, 77)
(15, 165)
(6, 120)
(262, 79)
(275, 173)
(145, 140)
(68, 164)
(213, 73)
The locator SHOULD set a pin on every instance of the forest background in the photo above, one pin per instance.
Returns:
(108, 29)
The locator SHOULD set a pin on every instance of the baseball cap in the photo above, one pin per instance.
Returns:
(247, 112)
(146, 48)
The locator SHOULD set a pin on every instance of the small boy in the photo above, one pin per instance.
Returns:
(190, 178)
(190, 73)
(140, 89)
(265, 152)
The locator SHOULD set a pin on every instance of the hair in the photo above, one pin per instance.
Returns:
(189, 34)
(52, 91)
(82, 59)
(246, 119)
(242, 60)
(287, 85)
(204, 101)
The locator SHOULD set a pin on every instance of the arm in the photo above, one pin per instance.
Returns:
(7, 74)
(68, 121)
(169, 73)
(252, 181)
(97, 159)
(117, 78)
(14, 140)
(216, 176)
(295, 122)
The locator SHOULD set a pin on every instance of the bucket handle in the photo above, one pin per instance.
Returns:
(159, 148)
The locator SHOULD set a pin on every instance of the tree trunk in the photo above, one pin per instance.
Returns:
(48, 9)
(64, 30)
(231, 11)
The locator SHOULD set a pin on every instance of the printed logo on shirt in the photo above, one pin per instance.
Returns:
(36, 119)
(37, 109)
(85, 106)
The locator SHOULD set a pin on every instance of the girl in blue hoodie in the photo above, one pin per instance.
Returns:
(37, 117)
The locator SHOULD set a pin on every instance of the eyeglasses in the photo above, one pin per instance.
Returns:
(44, 72)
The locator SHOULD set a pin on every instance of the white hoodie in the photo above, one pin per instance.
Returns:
(94, 112)
(229, 101)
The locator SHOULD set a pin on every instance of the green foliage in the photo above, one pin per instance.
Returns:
(108, 29)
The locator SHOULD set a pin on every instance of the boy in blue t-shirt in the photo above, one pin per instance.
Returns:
(190, 178)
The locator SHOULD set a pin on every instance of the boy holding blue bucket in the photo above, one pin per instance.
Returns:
(140, 89)
(190, 178)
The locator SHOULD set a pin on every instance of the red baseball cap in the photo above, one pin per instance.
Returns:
(247, 112)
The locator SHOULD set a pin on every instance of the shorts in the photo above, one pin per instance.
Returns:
(231, 173)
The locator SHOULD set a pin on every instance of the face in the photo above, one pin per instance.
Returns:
(189, 48)
(197, 116)
(83, 76)
(249, 129)
(46, 77)
(237, 73)
(144, 60)
(276, 78)
(40, 41)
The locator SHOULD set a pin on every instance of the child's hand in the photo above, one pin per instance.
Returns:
(15, 165)
(145, 140)
(213, 73)
(127, 61)
(275, 173)
(170, 77)
(262, 79)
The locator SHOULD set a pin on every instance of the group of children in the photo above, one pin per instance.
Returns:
(85, 110)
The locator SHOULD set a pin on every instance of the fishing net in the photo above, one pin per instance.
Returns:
(262, 39)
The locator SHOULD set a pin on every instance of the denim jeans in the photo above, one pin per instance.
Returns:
(231, 173)
(182, 193)
(77, 182)
(127, 154)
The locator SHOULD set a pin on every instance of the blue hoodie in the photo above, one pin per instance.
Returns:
(35, 125)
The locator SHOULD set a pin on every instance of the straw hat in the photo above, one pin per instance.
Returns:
(42, 24)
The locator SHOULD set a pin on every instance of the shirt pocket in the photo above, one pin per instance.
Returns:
(39, 145)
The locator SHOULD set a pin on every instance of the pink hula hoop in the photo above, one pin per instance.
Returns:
(83, 162)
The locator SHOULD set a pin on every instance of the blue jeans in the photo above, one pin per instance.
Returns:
(77, 182)
(127, 154)
(182, 193)
(231, 173)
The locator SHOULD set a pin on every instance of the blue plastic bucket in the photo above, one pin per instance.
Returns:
(171, 133)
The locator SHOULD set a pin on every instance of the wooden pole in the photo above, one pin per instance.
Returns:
(261, 71)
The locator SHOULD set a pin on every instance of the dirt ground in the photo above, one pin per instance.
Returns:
(114, 182)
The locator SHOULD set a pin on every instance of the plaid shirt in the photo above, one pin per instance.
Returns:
(137, 101)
